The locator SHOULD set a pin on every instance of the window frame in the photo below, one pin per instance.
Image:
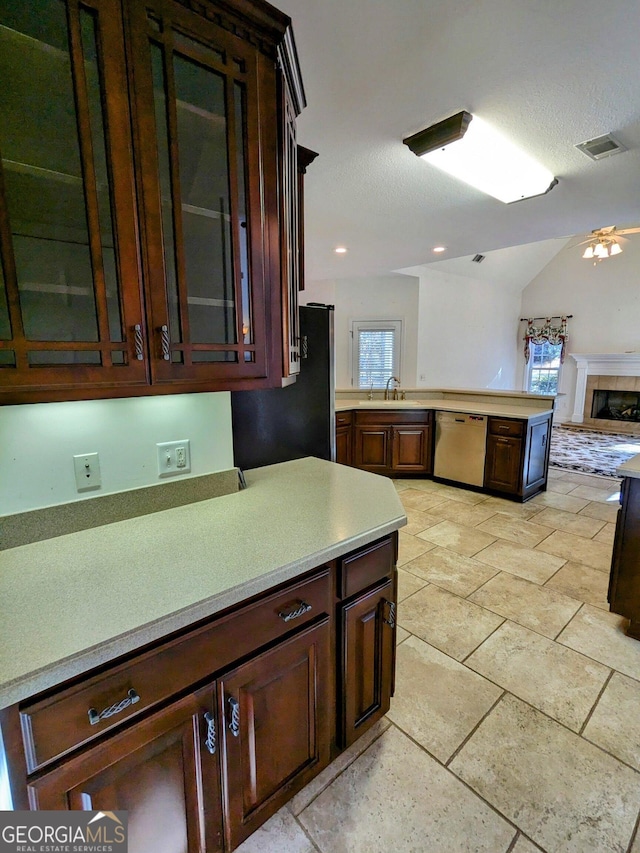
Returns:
(529, 367)
(396, 326)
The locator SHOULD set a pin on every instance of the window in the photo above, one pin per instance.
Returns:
(376, 352)
(543, 370)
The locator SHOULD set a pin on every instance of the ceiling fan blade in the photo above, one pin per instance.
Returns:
(628, 231)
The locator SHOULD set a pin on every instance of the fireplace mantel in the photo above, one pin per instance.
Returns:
(600, 364)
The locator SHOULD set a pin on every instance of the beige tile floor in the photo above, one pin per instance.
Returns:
(516, 722)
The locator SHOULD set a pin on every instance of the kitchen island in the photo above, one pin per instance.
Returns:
(223, 630)
(624, 580)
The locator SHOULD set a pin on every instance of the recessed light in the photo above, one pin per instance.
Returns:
(340, 250)
(439, 248)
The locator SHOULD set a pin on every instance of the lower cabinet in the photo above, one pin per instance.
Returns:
(624, 581)
(369, 645)
(276, 734)
(344, 436)
(201, 761)
(163, 770)
(393, 442)
(517, 455)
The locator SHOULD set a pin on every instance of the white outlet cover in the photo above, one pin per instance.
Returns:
(87, 471)
(174, 457)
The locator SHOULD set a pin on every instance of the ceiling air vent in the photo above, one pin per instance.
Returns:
(601, 147)
(478, 259)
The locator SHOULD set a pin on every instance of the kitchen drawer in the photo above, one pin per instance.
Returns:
(498, 426)
(365, 567)
(343, 419)
(62, 722)
(394, 416)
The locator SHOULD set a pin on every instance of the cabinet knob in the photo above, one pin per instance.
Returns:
(210, 741)
(96, 717)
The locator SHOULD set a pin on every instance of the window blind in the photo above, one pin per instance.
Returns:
(376, 348)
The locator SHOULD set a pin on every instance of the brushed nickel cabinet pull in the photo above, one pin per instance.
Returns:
(96, 717)
(234, 722)
(210, 741)
(390, 618)
(294, 614)
(137, 333)
(164, 340)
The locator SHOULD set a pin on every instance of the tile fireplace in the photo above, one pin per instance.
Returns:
(608, 391)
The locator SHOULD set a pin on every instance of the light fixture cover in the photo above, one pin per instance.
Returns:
(588, 252)
(615, 249)
(468, 148)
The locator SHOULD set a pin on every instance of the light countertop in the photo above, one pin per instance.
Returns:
(77, 601)
(630, 468)
(497, 409)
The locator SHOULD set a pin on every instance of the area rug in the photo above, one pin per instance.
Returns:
(591, 452)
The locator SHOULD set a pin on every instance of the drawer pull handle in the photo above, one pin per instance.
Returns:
(130, 699)
(390, 618)
(234, 722)
(294, 614)
(503, 427)
(210, 741)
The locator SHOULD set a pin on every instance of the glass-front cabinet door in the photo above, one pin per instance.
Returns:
(205, 192)
(70, 294)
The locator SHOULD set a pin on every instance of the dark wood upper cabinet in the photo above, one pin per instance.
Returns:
(149, 218)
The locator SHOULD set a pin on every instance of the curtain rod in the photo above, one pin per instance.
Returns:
(553, 317)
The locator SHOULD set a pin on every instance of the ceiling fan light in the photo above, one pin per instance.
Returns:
(468, 148)
(615, 249)
(588, 252)
(601, 251)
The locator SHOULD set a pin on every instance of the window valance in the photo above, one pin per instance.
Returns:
(548, 332)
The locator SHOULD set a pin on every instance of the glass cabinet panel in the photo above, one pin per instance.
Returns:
(199, 158)
(58, 250)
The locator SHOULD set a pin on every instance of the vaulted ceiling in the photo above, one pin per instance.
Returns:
(547, 74)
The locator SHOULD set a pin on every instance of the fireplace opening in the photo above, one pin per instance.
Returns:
(616, 405)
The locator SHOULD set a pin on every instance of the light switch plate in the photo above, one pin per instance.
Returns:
(174, 457)
(87, 470)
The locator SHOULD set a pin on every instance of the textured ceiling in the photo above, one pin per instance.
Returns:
(547, 74)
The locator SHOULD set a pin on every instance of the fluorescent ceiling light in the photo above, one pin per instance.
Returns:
(340, 250)
(439, 249)
(468, 148)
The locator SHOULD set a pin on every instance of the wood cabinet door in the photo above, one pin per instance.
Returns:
(71, 314)
(207, 140)
(537, 455)
(368, 646)
(343, 445)
(276, 733)
(164, 771)
(410, 449)
(503, 464)
(372, 448)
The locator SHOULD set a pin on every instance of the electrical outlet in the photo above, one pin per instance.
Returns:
(174, 457)
(423, 377)
(87, 469)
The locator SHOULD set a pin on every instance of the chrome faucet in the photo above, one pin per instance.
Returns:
(395, 390)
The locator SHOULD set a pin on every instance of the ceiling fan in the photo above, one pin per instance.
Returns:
(605, 242)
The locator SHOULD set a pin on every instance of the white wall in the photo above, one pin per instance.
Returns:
(605, 302)
(38, 442)
(467, 334)
(393, 297)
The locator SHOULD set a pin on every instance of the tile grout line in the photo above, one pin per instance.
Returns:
(466, 740)
(634, 835)
(593, 707)
(481, 643)
(306, 834)
(463, 782)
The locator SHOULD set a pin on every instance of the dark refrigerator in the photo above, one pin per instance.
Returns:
(279, 424)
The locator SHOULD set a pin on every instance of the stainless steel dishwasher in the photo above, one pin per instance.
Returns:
(460, 447)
